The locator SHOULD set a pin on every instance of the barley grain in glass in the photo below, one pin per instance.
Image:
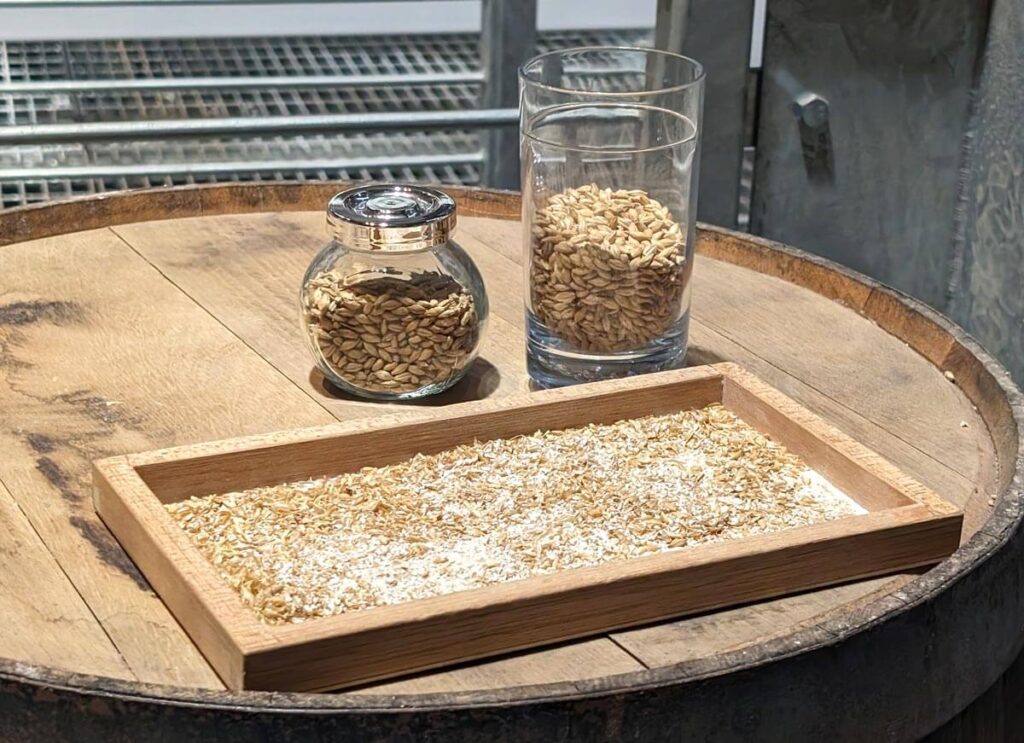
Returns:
(392, 307)
(610, 152)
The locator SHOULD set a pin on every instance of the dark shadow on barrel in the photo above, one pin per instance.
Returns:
(479, 383)
(616, 638)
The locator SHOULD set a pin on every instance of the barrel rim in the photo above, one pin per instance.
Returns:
(91, 212)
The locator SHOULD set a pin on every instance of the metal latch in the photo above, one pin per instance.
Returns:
(812, 113)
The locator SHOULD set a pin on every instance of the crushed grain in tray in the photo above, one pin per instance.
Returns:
(501, 510)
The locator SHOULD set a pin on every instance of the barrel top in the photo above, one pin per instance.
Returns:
(152, 319)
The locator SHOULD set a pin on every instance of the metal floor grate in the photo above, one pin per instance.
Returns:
(443, 156)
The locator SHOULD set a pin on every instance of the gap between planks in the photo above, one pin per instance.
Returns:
(720, 331)
(118, 236)
(483, 233)
(480, 234)
(498, 259)
(26, 543)
(519, 668)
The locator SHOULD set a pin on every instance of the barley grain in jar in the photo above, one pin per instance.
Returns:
(392, 307)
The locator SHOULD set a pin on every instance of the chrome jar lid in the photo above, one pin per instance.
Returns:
(390, 217)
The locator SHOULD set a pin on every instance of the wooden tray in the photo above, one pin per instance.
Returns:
(906, 526)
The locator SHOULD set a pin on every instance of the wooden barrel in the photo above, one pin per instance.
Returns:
(151, 319)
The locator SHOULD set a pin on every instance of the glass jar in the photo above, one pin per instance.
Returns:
(610, 151)
(392, 307)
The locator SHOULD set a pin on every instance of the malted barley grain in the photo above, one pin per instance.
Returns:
(607, 269)
(486, 512)
(361, 327)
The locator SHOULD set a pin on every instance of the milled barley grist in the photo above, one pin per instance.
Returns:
(607, 271)
(392, 333)
(488, 512)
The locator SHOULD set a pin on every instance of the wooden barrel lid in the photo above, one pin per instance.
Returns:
(149, 319)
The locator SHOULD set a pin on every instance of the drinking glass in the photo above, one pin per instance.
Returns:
(610, 144)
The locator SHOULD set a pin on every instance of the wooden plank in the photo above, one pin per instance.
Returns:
(200, 255)
(44, 620)
(126, 390)
(706, 637)
(213, 615)
(710, 346)
(843, 460)
(907, 526)
(871, 385)
(100, 355)
(554, 664)
(865, 369)
(186, 254)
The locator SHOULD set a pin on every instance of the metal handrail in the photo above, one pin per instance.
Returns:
(290, 82)
(33, 134)
(277, 82)
(249, 166)
(508, 28)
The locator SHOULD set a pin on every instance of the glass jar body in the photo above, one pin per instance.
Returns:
(610, 153)
(393, 324)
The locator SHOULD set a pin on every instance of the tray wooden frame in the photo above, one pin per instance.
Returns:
(906, 526)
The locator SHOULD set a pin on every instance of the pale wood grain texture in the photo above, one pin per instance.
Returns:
(216, 620)
(223, 263)
(554, 664)
(82, 308)
(703, 638)
(907, 526)
(232, 275)
(107, 357)
(48, 441)
(43, 619)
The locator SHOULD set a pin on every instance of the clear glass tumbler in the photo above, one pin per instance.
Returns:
(610, 154)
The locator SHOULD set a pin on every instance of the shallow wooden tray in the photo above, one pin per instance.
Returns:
(906, 526)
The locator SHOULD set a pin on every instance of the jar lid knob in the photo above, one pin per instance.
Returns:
(391, 217)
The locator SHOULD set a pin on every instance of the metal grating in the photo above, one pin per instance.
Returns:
(444, 156)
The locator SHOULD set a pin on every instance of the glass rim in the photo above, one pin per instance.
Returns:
(698, 79)
(527, 132)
